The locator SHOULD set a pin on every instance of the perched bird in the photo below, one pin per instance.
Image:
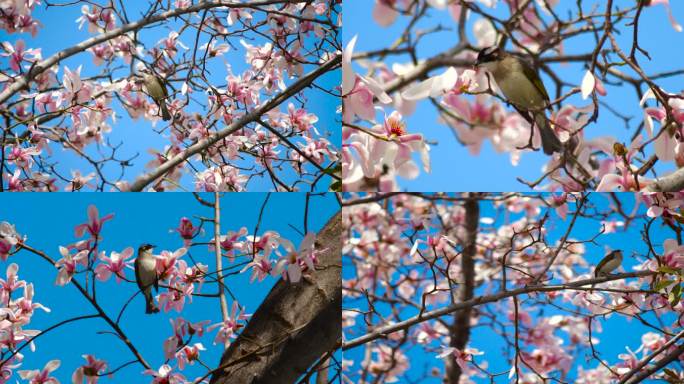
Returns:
(609, 263)
(155, 87)
(146, 275)
(523, 88)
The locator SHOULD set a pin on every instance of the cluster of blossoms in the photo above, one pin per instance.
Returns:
(86, 101)
(16, 310)
(374, 154)
(406, 252)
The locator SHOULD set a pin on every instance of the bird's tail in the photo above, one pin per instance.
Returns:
(164, 111)
(550, 142)
(150, 307)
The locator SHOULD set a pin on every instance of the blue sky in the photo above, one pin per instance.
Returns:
(60, 31)
(453, 168)
(613, 338)
(49, 220)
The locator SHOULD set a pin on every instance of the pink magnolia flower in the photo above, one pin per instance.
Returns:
(358, 91)
(8, 239)
(18, 54)
(75, 90)
(266, 243)
(189, 354)
(68, 263)
(116, 264)
(90, 372)
(41, 376)
(25, 305)
(21, 156)
(297, 260)
(463, 357)
(165, 375)
(230, 242)
(187, 230)
(11, 284)
(673, 255)
(229, 328)
(79, 181)
(94, 224)
(174, 298)
(166, 263)
(261, 266)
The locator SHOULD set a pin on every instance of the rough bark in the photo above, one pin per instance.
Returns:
(459, 331)
(294, 326)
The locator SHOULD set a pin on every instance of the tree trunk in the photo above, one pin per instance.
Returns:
(459, 331)
(294, 326)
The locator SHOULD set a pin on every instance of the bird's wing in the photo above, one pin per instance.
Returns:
(137, 273)
(530, 73)
(600, 265)
(166, 92)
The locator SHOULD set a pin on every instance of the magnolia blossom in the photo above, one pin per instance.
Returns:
(90, 372)
(297, 261)
(94, 224)
(68, 263)
(115, 263)
(463, 357)
(228, 329)
(165, 375)
(41, 376)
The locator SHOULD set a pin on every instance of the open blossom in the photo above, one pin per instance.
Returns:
(165, 375)
(89, 372)
(68, 263)
(41, 376)
(189, 354)
(187, 230)
(11, 283)
(297, 260)
(94, 224)
(18, 54)
(261, 266)
(228, 329)
(463, 357)
(8, 239)
(114, 264)
(167, 262)
(174, 298)
(230, 242)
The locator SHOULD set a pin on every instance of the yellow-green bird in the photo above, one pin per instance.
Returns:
(523, 88)
(609, 263)
(155, 87)
(146, 275)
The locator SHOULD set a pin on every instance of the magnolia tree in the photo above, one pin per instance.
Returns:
(251, 95)
(590, 57)
(461, 288)
(204, 266)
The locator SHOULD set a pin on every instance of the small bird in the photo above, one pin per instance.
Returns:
(146, 276)
(155, 87)
(609, 263)
(523, 88)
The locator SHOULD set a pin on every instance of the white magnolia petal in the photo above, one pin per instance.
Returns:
(348, 75)
(588, 84)
(418, 91)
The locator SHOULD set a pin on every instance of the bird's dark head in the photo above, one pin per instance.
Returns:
(488, 55)
(146, 247)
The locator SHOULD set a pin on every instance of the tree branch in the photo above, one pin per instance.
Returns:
(294, 326)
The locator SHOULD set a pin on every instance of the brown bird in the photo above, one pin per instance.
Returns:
(146, 275)
(157, 90)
